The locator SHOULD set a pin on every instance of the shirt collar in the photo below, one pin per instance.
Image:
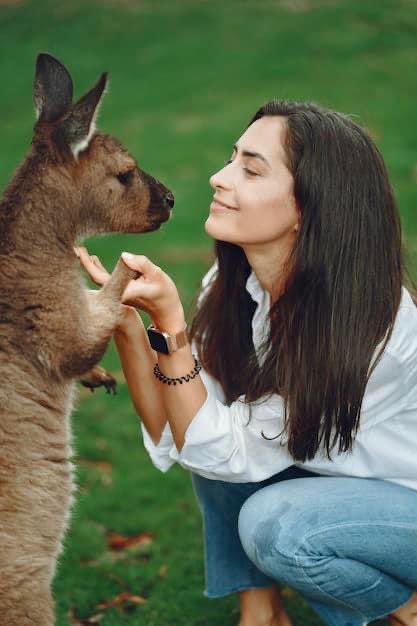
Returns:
(255, 289)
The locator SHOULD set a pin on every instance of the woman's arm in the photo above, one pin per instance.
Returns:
(182, 402)
(156, 293)
(138, 360)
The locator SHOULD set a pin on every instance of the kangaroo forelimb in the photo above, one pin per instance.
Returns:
(97, 325)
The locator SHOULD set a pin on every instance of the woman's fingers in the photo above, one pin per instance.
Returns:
(139, 290)
(153, 291)
(140, 263)
(93, 266)
(150, 287)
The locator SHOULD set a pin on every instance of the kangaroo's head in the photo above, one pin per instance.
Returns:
(90, 174)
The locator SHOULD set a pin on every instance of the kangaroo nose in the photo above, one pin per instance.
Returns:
(169, 200)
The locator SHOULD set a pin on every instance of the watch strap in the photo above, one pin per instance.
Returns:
(173, 342)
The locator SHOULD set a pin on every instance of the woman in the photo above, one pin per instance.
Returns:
(308, 342)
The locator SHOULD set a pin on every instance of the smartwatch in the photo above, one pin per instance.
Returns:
(166, 343)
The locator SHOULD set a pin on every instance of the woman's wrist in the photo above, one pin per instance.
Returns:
(172, 324)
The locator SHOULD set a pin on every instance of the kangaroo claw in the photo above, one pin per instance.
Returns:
(98, 377)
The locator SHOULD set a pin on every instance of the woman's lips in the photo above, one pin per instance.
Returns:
(216, 205)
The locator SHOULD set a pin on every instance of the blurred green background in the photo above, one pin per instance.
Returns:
(186, 76)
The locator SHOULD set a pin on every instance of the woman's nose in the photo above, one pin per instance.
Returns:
(220, 180)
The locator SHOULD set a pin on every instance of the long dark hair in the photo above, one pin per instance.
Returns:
(342, 292)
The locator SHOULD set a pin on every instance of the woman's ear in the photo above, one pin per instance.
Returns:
(297, 226)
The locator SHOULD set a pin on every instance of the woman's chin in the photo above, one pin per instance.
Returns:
(217, 231)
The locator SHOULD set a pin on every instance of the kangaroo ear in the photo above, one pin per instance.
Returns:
(52, 89)
(78, 128)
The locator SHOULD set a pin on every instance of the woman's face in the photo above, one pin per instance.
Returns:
(253, 201)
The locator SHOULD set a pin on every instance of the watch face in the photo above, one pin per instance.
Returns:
(158, 341)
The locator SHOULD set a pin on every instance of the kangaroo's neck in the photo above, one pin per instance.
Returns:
(42, 206)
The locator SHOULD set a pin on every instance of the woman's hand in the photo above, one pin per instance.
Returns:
(154, 291)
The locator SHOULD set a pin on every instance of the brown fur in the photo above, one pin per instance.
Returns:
(52, 329)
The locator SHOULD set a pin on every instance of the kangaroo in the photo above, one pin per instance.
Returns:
(74, 182)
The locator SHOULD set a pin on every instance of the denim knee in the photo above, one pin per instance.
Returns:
(330, 538)
(261, 532)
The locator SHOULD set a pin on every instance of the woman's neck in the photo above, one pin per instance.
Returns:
(269, 265)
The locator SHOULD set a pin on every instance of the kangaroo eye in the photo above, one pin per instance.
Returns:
(125, 178)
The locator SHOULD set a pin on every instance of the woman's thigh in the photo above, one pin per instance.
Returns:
(226, 499)
(305, 525)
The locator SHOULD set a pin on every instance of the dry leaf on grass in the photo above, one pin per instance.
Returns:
(104, 467)
(163, 570)
(88, 621)
(121, 599)
(117, 601)
(116, 541)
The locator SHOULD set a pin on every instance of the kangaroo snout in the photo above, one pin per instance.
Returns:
(161, 202)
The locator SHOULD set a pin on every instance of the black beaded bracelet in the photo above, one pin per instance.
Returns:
(182, 379)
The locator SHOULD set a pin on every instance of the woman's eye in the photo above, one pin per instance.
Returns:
(250, 172)
(228, 162)
(125, 178)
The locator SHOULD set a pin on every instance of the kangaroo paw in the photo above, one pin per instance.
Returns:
(118, 281)
(98, 377)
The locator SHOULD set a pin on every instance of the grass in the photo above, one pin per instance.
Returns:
(185, 79)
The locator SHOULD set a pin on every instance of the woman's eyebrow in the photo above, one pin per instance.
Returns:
(250, 153)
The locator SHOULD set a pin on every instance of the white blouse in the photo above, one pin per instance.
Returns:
(226, 443)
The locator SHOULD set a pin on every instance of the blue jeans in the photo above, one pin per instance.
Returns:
(347, 545)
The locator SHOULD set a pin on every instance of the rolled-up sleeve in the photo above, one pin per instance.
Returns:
(160, 452)
(237, 443)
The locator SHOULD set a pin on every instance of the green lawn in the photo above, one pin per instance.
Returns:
(185, 79)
